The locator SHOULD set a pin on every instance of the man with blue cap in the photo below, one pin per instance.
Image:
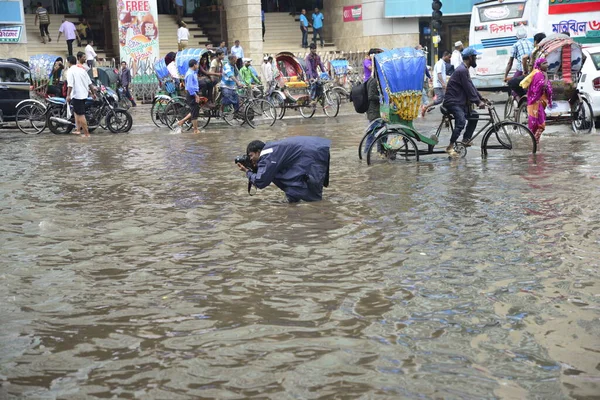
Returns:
(460, 94)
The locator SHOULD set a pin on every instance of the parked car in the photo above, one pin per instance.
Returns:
(589, 83)
(14, 86)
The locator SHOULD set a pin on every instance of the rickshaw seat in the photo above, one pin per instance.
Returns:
(445, 111)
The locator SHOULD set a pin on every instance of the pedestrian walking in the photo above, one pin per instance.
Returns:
(539, 96)
(79, 85)
(267, 72)
(456, 58)
(304, 29)
(90, 54)
(183, 35)
(192, 97)
(41, 14)
(317, 23)
(439, 83)
(179, 8)
(68, 29)
(125, 81)
(238, 51)
(84, 31)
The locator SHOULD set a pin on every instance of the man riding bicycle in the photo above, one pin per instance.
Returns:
(228, 84)
(313, 61)
(460, 94)
(520, 50)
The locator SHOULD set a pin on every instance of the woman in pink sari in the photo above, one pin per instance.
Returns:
(539, 96)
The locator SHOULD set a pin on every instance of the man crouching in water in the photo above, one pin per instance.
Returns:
(297, 165)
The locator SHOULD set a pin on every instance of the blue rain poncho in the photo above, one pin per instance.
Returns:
(297, 165)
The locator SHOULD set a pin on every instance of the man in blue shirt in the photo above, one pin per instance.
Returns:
(304, 28)
(297, 165)
(238, 51)
(192, 97)
(228, 84)
(317, 24)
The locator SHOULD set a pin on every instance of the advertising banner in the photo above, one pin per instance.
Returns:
(138, 31)
(353, 13)
(74, 6)
(10, 34)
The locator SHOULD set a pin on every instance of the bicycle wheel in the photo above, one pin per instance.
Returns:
(392, 147)
(176, 111)
(279, 103)
(509, 108)
(232, 117)
(157, 112)
(260, 113)
(331, 104)
(343, 93)
(522, 117)
(307, 110)
(582, 118)
(31, 118)
(119, 121)
(509, 137)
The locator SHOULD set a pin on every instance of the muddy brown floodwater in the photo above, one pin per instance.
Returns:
(136, 266)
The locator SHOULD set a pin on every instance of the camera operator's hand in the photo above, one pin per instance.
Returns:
(242, 168)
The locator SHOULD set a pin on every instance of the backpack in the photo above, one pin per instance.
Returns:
(359, 96)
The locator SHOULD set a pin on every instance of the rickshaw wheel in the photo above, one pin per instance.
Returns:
(157, 112)
(31, 118)
(582, 118)
(509, 108)
(461, 149)
(331, 104)
(392, 147)
(307, 111)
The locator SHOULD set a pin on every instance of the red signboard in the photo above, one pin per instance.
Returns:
(353, 13)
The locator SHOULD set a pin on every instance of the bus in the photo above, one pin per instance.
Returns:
(494, 25)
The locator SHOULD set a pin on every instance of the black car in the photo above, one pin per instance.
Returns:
(14, 86)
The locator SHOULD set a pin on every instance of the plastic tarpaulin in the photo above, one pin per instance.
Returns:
(41, 65)
(339, 67)
(160, 67)
(402, 69)
(183, 58)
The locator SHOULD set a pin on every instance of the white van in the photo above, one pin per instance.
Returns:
(494, 25)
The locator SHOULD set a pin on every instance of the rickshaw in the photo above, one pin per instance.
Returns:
(340, 83)
(168, 90)
(394, 137)
(293, 92)
(565, 60)
(30, 114)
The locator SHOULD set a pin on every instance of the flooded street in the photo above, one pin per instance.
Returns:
(137, 266)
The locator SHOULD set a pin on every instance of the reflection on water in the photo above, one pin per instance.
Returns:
(136, 266)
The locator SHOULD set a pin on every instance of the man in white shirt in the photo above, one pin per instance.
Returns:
(439, 82)
(90, 54)
(238, 51)
(183, 35)
(456, 59)
(267, 73)
(79, 84)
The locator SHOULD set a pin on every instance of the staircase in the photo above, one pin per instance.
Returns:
(34, 40)
(167, 26)
(283, 34)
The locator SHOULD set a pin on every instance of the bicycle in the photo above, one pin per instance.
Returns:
(329, 100)
(397, 141)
